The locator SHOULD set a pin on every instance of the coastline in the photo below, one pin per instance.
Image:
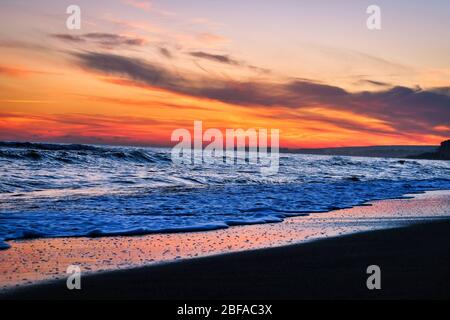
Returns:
(414, 262)
(41, 262)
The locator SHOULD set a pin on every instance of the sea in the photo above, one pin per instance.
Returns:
(71, 190)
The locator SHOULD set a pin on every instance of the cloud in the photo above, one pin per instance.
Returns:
(442, 90)
(106, 40)
(375, 83)
(215, 57)
(210, 38)
(354, 59)
(405, 109)
(21, 72)
(205, 22)
(165, 52)
(13, 72)
(147, 6)
(68, 37)
(226, 59)
(145, 73)
(143, 5)
(259, 69)
(115, 40)
(132, 68)
(14, 44)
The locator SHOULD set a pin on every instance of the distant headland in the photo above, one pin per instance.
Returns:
(442, 153)
(409, 152)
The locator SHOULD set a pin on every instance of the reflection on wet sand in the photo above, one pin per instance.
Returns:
(43, 259)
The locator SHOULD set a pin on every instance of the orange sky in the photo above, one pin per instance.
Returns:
(122, 81)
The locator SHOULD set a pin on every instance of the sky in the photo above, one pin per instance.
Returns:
(138, 69)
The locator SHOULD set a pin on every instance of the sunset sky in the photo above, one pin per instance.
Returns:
(137, 70)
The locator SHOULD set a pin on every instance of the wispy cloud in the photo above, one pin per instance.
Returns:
(215, 57)
(375, 83)
(15, 44)
(21, 72)
(27, 101)
(165, 52)
(228, 60)
(139, 4)
(106, 40)
(210, 38)
(147, 6)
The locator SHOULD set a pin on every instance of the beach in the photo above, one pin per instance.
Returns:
(212, 150)
(299, 258)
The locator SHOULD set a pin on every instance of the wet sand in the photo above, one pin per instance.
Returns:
(415, 250)
(414, 262)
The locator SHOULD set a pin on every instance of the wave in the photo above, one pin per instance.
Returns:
(97, 233)
(4, 245)
(48, 146)
(76, 153)
(145, 231)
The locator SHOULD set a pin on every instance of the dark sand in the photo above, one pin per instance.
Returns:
(414, 261)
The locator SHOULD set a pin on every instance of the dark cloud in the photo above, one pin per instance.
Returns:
(405, 109)
(132, 68)
(114, 39)
(165, 52)
(316, 92)
(442, 90)
(107, 40)
(375, 83)
(68, 37)
(215, 57)
(149, 74)
(259, 70)
(226, 59)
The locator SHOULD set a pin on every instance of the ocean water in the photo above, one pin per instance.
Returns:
(56, 190)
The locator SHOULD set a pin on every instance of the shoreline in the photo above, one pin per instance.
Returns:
(41, 261)
(412, 268)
